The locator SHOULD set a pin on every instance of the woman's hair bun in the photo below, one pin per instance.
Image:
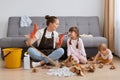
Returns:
(47, 17)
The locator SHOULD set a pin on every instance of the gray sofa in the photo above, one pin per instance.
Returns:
(86, 25)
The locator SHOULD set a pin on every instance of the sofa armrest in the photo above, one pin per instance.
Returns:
(12, 42)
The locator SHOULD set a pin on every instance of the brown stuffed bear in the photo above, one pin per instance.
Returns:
(101, 65)
(90, 68)
(68, 62)
(78, 70)
(112, 66)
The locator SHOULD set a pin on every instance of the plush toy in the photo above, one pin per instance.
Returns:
(34, 70)
(78, 69)
(68, 62)
(90, 68)
(112, 66)
(100, 65)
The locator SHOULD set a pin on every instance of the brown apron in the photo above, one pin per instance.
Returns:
(46, 44)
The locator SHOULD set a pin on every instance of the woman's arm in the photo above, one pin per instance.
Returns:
(30, 41)
(56, 39)
(60, 40)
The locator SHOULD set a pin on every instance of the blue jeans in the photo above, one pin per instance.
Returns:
(36, 55)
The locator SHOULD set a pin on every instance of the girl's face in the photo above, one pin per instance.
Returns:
(72, 35)
(54, 25)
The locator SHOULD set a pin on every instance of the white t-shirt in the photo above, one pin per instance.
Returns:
(48, 34)
(109, 56)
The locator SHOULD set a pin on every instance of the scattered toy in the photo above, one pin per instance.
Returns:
(112, 67)
(78, 69)
(90, 68)
(34, 70)
(100, 65)
(68, 62)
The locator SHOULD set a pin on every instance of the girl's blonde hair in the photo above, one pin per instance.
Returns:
(102, 47)
(76, 30)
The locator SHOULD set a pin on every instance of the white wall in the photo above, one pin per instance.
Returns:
(117, 27)
(50, 7)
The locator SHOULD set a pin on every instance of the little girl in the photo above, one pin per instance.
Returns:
(75, 46)
(104, 54)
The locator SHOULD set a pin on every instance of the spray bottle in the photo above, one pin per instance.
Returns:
(26, 61)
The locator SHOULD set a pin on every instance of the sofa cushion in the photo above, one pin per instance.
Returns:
(93, 41)
(12, 42)
(88, 41)
(86, 25)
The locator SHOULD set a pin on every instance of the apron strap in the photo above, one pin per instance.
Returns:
(51, 36)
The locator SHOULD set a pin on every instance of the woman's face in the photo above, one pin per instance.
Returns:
(54, 25)
(73, 35)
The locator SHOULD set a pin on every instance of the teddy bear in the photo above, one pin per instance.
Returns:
(68, 62)
(90, 68)
(78, 69)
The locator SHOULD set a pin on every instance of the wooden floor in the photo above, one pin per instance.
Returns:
(20, 74)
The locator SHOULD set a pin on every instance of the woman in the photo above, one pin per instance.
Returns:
(46, 38)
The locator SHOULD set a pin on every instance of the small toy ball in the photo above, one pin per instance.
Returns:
(34, 70)
(100, 65)
(112, 67)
